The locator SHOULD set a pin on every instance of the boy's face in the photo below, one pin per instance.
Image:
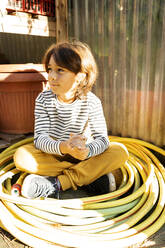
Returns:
(62, 81)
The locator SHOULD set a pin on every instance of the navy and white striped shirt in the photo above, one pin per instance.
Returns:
(54, 121)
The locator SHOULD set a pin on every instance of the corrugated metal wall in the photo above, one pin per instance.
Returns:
(21, 48)
(127, 38)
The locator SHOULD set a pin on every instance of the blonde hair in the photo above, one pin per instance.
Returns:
(76, 57)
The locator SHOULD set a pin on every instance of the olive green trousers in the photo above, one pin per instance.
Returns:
(70, 172)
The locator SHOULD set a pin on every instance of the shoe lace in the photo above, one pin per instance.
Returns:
(44, 190)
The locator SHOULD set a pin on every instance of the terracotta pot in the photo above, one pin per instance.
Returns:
(19, 87)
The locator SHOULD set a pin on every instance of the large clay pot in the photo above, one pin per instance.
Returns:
(19, 87)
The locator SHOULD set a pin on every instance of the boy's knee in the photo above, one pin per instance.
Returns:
(119, 150)
(24, 160)
(123, 151)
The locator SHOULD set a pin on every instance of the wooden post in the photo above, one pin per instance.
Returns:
(61, 20)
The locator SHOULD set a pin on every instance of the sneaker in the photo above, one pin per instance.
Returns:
(102, 185)
(40, 186)
(112, 182)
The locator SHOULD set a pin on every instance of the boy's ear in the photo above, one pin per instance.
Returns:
(81, 76)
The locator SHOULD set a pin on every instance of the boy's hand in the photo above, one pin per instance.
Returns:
(80, 154)
(75, 146)
(77, 140)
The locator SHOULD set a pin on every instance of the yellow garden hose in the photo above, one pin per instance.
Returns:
(132, 213)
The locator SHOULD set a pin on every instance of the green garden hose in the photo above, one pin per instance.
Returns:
(131, 214)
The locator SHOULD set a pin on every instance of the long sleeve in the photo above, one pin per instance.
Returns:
(98, 128)
(42, 139)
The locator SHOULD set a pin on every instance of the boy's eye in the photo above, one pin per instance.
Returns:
(60, 70)
(49, 69)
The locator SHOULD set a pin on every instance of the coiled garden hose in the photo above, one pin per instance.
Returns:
(131, 214)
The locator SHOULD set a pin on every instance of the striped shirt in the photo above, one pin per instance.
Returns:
(54, 121)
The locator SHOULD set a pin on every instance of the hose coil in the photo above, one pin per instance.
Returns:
(131, 214)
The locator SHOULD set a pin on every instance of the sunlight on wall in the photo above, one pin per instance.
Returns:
(128, 41)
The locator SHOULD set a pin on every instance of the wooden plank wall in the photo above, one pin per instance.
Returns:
(61, 20)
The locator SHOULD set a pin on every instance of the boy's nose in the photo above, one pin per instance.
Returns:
(53, 75)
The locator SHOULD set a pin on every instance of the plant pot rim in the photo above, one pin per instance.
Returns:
(5, 68)
(22, 73)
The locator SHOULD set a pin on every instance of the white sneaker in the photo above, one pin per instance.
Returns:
(39, 186)
(112, 182)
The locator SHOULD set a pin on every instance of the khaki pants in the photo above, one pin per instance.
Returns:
(70, 172)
